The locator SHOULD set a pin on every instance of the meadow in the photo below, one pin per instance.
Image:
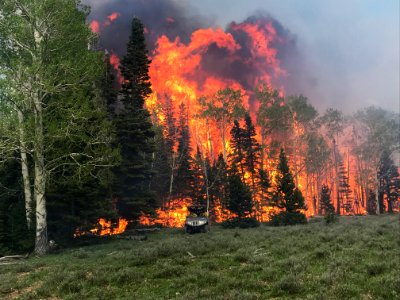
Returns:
(355, 258)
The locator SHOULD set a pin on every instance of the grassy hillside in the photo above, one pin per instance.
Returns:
(356, 258)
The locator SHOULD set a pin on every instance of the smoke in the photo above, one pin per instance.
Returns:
(267, 50)
(159, 17)
(320, 61)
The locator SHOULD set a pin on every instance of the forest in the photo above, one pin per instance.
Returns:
(92, 142)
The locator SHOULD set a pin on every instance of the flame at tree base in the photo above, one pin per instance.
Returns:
(105, 227)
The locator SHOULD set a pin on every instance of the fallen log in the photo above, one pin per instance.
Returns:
(13, 257)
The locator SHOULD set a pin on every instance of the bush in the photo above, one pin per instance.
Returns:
(288, 218)
(330, 218)
(241, 223)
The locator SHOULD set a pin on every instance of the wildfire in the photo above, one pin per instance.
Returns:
(182, 71)
(174, 215)
(105, 227)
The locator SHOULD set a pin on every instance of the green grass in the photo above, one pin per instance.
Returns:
(356, 258)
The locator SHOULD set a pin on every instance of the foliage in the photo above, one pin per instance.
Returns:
(327, 206)
(251, 149)
(184, 172)
(273, 115)
(240, 223)
(284, 218)
(135, 133)
(236, 157)
(286, 196)
(239, 195)
(223, 107)
(15, 237)
(333, 120)
(389, 182)
(50, 76)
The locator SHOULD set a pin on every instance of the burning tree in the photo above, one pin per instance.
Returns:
(223, 107)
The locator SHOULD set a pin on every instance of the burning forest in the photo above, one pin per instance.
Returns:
(151, 109)
(219, 102)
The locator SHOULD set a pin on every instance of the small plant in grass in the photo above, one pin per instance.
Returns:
(327, 206)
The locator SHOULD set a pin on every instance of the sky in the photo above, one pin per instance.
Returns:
(350, 48)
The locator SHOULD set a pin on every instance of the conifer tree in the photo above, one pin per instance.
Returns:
(171, 138)
(108, 87)
(239, 194)
(326, 205)
(286, 196)
(389, 182)
(264, 184)
(219, 189)
(251, 150)
(371, 202)
(160, 181)
(237, 146)
(198, 184)
(135, 132)
(184, 173)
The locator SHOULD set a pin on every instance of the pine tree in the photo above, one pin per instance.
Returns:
(219, 179)
(184, 173)
(239, 194)
(108, 87)
(344, 186)
(251, 150)
(135, 132)
(236, 157)
(171, 139)
(286, 196)
(198, 184)
(326, 205)
(371, 202)
(389, 182)
(160, 181)
(264, 184)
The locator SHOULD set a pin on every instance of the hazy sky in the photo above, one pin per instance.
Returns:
(350, 48)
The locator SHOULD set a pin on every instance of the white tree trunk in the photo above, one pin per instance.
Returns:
(25, 171)
(41, 245)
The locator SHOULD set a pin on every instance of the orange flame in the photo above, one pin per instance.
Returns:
(95, 26)
(113, 16)
(105, 227)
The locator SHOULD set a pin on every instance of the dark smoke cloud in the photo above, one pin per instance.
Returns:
(159, 17)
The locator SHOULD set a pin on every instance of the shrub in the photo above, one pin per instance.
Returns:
(330, 218)
(288, 218)
(241, 223)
